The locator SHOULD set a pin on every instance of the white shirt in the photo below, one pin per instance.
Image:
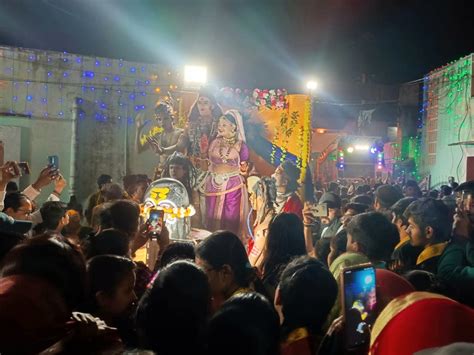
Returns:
(32, 194)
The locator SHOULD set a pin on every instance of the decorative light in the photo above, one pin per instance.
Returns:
(194, 74)
(88, 74)
(361, 147)
(321, 130)
(350, 149)
(312, 85)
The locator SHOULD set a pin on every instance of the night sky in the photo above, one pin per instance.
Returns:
(259, 43)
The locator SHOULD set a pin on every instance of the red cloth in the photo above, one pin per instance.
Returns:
(294, 205)
(390, 286)
(419, 321)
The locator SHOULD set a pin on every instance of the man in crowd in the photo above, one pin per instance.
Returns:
(333, 203)
(385, 197)
(429, 227)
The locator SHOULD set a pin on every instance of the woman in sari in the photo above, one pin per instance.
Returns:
(225, 188)
(262, 199)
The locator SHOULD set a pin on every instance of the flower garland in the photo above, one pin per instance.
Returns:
(271, 99)
(170, 212)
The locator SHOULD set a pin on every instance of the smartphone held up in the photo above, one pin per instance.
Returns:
(155, 222)
(358, 296)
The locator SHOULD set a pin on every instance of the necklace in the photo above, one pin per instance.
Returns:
(229, 141)
(225, 147)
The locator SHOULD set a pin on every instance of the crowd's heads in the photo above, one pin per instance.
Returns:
(54, 215)
(428, 222)
(223, 257)
(245, 324)
(306, 293)
(109, 241)
(50, 260)
(412, 189)
(337, 246)
(386, 196)
(364, 199)
(285, 240)
(135, 186)
(333, 187)
(111, 281)
(467, 198)
(122, 215)
(287, 175)
(398, 217)
(103, 180)
(113, 192)
(74, 225)
(177, 251)
(12, 186)
(17, 206)
(332, 200)
(425, 281)
(178, 302)
(8, 240)
(446, 190)
(351, 210)
(372, 234)
(362, 189)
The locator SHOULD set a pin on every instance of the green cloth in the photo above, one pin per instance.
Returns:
(453, 265)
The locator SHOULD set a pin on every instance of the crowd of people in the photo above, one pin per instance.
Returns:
(269, 279)
(68, 282)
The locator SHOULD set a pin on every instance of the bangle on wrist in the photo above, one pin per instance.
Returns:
(56, 193)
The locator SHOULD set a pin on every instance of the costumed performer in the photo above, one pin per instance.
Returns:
(225, 187)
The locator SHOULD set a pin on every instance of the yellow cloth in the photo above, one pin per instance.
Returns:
(431, 251)
(295, 335)
(402, 242)
(242, 290)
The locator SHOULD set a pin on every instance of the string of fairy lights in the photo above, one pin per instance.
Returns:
(43, 84)
(444, 112)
